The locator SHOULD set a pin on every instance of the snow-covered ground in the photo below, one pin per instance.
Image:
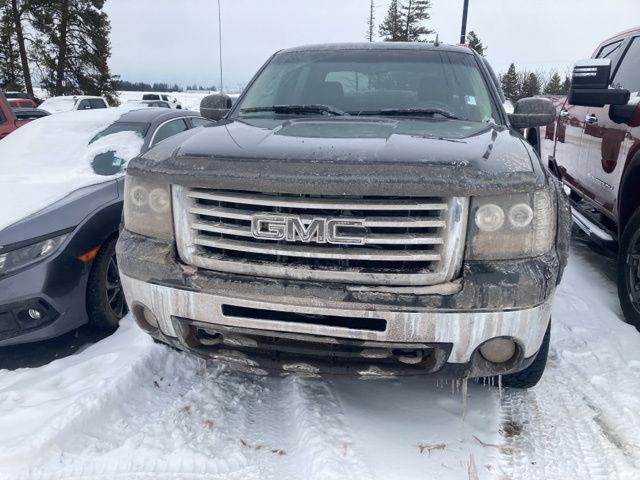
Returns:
(128, 408)
(188, 100)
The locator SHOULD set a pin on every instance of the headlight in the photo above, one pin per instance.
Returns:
(22, 257)
(511, 226)
(147, 208)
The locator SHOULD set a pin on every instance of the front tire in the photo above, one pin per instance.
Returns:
(106, 304)
(628, 271)
(530, 376)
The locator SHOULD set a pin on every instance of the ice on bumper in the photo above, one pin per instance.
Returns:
(466, 331)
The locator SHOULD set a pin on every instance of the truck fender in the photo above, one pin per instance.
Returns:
(629, 193)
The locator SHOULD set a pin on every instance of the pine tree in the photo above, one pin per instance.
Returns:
(531, 85)
(475, 43)
(73, 47)
(415, 13)
(566, 86)
(392, 28)
(511, 83)
(554, 85)
(10, 70)
(18, 10)
(371, 22)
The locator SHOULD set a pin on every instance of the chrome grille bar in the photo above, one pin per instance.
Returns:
(318, 252)
(313, 203)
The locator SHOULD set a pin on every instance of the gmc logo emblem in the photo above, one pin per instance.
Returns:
(318, 230)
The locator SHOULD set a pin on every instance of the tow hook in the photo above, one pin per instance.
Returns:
(410, 357)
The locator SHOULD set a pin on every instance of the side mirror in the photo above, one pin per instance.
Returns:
(215, 107)
(532, 112)
(590, 85)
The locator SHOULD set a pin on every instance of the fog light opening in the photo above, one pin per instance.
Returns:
(498, 350)
(145, 318)
(34, 314)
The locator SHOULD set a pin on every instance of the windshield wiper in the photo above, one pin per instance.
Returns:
(409, 112)
(285, 109)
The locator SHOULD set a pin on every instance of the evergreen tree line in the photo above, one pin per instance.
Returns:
(521, 84)
(63, 45)
(124, 85)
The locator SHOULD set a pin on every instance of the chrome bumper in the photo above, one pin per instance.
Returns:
(465, 331)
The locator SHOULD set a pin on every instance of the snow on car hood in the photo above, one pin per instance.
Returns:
(48, 159)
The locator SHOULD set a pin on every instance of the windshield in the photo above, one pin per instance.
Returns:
(139, 129)
(361, 82)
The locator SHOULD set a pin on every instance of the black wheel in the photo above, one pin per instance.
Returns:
(530, 376)
(106, 304)
(628, 271)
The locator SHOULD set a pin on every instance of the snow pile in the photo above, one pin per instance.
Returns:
(46, 160)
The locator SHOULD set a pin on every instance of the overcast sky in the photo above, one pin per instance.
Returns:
(177, 40)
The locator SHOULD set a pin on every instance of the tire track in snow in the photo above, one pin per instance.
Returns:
(182, 418)
(582, 420)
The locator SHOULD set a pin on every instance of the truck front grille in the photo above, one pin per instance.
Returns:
(401, 240)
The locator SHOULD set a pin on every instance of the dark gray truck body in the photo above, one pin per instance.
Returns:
(240, 298)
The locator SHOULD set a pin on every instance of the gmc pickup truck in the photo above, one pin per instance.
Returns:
(594, 148)
(368, 209)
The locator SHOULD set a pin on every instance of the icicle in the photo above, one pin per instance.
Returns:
(464, 397)
(500, 386)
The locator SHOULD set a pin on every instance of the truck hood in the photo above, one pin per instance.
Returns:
(350, 156)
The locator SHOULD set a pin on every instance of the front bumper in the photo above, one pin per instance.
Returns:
(56, 286)
(462, 332)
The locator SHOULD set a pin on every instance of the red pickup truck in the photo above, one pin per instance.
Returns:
(8, 120)
(594, 149)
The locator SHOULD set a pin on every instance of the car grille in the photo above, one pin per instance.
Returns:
(404, 240)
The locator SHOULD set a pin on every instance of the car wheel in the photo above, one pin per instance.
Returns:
(530, 376)
(628, 271)
(106, 304)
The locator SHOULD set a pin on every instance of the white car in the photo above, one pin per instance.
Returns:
(172, 101)
(73, 102)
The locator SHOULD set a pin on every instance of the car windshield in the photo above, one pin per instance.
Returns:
(390, 82)
(138, 128)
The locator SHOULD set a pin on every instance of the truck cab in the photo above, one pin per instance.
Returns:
(595, 151)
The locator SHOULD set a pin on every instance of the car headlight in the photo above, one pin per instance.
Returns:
(25, 256)
(511, 226)
(147, 207)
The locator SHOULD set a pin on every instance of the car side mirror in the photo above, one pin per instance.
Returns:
(590, 85)
(215, 107)
(532, 112)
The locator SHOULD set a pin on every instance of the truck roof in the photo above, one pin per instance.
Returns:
(379, 46)
(624, 34)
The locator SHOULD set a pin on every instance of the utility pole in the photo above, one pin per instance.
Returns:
(220, 45)
(463, 33)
